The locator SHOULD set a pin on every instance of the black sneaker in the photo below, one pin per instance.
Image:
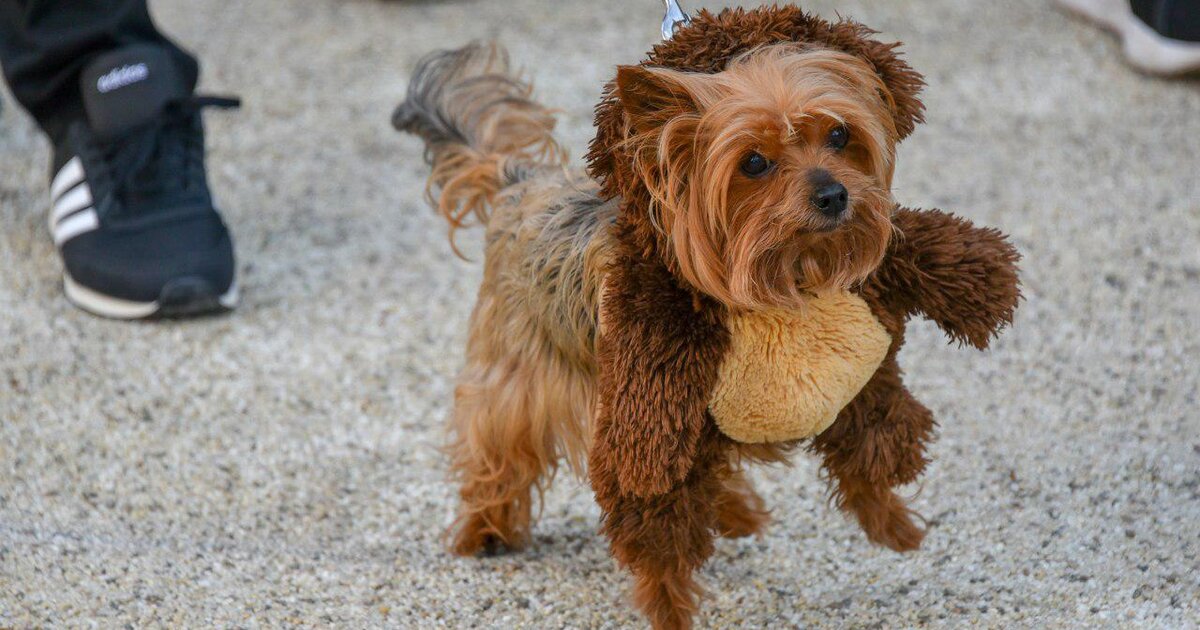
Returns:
(131, 212)
(1158, 36)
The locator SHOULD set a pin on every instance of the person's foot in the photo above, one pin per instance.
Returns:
(1158, 36)
(131, 212)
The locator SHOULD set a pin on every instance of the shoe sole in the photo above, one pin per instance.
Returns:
(1144, 48)
(183, 297)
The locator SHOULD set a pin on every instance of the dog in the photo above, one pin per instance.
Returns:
(597, 336)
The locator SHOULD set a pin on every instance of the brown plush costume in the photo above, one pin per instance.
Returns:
(664, 473)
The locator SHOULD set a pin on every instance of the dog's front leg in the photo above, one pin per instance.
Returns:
(877, 443)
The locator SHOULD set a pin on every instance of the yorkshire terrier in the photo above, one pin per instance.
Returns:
(758, 184)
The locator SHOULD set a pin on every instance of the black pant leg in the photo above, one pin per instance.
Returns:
(45, 43)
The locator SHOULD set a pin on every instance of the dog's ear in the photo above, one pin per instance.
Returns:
(658, 350)
(651, 96)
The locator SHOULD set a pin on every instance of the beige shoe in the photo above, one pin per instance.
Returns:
(1145, 48)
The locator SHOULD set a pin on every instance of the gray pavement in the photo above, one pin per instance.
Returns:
(280, 466)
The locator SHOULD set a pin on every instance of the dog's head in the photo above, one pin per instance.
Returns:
(770, 178)
(758, 148)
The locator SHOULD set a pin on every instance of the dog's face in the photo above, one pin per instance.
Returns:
(770, 179)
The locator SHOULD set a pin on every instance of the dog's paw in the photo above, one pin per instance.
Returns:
(883, 516)
(742, 518)
(742, 527)
(895, 530)
(476, 537)
(891, 526)
(669, 599)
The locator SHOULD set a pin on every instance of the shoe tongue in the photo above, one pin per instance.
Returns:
(129, 86)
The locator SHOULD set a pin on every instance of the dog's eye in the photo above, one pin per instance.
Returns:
(755, 165)
(838, 138)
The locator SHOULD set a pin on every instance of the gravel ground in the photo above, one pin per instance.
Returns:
(279, 466)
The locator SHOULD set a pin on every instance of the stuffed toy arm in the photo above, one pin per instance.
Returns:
(658, 358)
(962, 277)
(657, 456)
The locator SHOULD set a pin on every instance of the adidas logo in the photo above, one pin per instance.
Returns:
(120, 77)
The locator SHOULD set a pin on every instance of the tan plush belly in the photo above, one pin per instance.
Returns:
(788, 374)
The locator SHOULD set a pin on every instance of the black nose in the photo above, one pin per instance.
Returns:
(831, 199)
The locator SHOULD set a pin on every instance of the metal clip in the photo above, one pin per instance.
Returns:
(674, 18)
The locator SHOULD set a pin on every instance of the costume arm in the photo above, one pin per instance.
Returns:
(658, 353)
(962, 277)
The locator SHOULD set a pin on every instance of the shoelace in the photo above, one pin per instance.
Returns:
(164, 158)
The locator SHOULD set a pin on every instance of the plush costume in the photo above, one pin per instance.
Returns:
(688, 389)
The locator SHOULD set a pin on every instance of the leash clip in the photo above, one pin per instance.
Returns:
(674, 18)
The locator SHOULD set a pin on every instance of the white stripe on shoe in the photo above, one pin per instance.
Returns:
(71, 202)
(68, 176)
(231, 297)
(103, 305)
(97, 303)
(77, 224)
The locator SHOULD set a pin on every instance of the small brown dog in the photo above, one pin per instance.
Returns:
(759, 182)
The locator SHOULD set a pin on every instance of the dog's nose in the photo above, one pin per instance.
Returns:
(831, 199)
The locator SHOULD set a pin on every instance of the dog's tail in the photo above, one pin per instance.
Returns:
(482, 130)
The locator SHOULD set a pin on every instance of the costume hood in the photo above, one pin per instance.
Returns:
(711, 40)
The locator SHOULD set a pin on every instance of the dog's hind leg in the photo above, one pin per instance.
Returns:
(519, 408)
(740, 510)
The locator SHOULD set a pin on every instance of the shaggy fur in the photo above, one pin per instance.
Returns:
(604, 315)
(748, 245)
